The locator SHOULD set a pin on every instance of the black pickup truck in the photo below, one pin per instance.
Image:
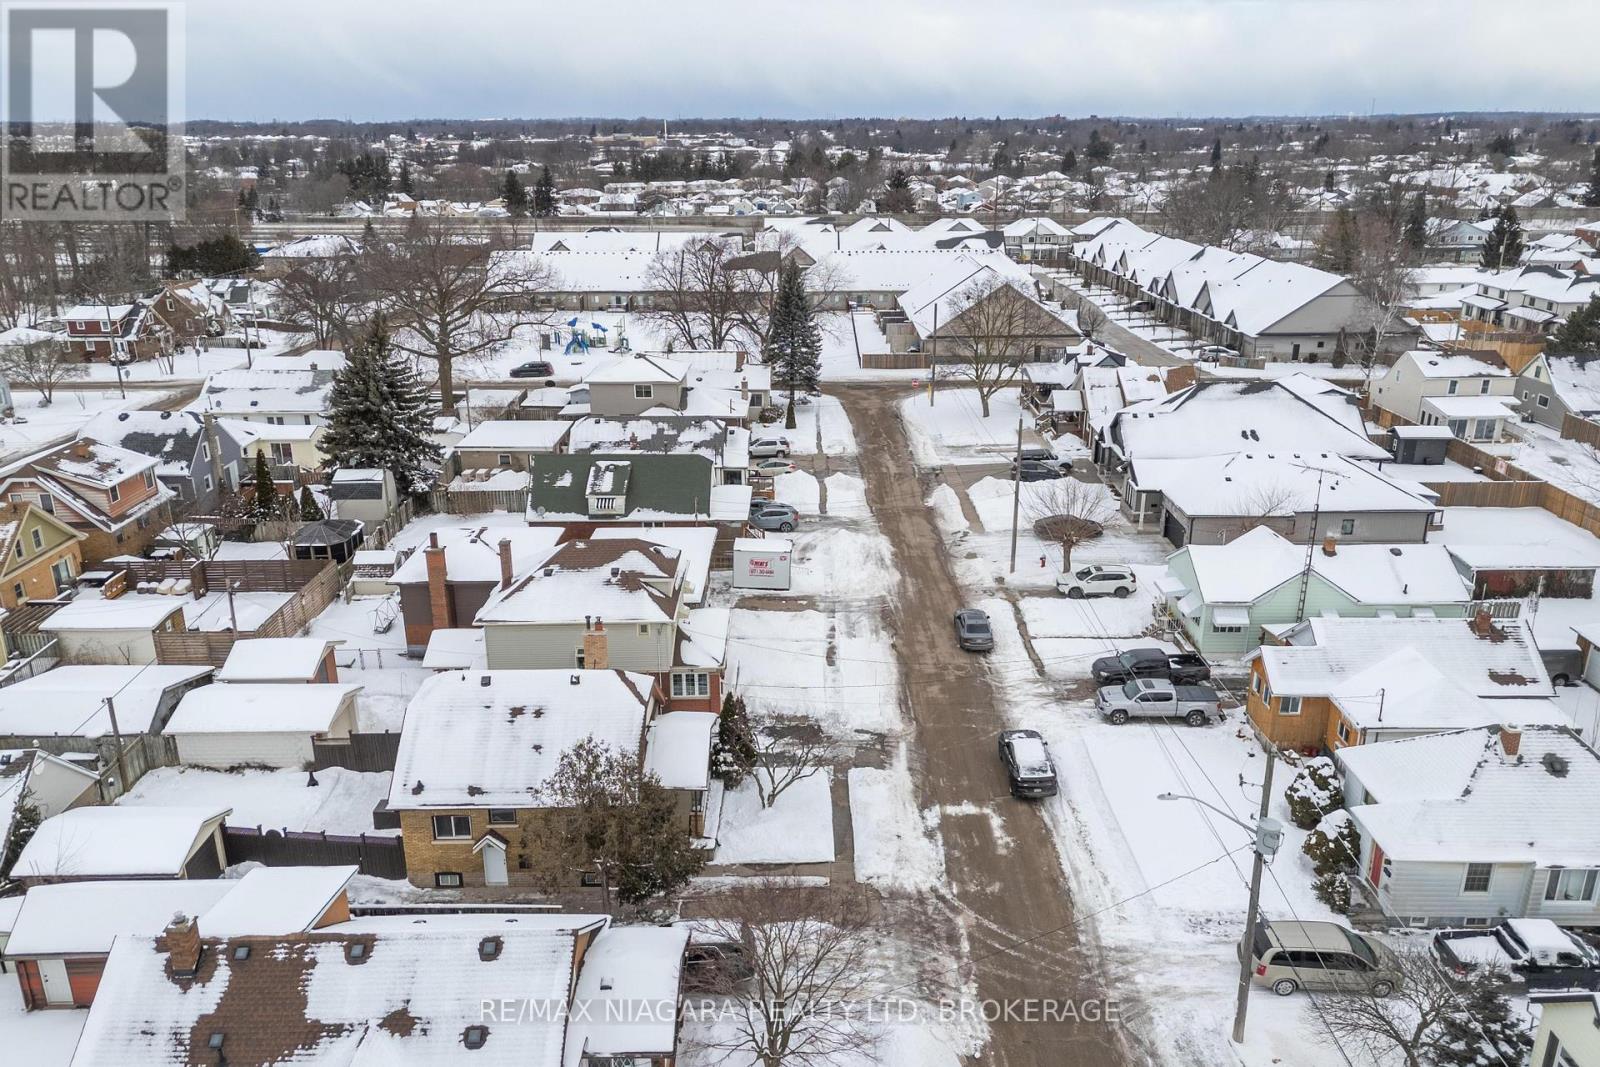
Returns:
(1180, 668)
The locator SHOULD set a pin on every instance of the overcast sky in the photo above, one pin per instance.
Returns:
(400, 59)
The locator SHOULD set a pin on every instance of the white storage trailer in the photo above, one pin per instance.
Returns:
(762, 562)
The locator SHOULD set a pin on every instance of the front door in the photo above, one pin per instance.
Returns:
(53, 973)
(494, 865)
(1376, 873)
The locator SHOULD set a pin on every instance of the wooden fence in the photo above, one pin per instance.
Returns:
(361, 752)
(1581, 430)
(1489, 494)
(203, 648)
(381, 856)
(479, 501)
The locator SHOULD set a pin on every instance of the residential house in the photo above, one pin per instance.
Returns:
(40, 556)
(64, 932)
(48, 784)
(261, 723)
(109, 495)
(1304, 495)
(1458, 240)
(1293, 684)
(727, 446)
(497, 448)
(116, 333)
(475, 750)
(619, 603)
(284, 400)
(138, 843)
(637, 383)
(1569, 1028)
(1226, 596)
(1477, 419)
(65, 709)
(1479, 825)
(293, 660)
(1556, 385)
(977, 301)
(196, 459)
(596, 489)
(363, 494)
(443, 585)
(94, 630)
(1424, 375)
(185, 310)
(1532, 300)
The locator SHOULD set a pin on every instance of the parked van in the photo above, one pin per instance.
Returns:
(1292, 955)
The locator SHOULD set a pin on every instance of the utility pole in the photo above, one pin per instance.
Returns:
(1246, 949)
(116, 737)
(1016, 494)
(933, 359)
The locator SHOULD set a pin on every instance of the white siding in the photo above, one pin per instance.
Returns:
(229, 750)
(1432, 891)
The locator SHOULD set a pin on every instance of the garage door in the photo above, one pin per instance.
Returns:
(1172, 529)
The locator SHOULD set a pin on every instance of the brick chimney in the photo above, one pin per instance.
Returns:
(596, 656)
(505, 563)
(1180, 377)
(1511, 740)
(182, 937)
(439, 607)
(1330, 547)
(1482, 623)
(744, 388)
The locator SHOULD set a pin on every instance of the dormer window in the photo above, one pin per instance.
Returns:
(115, 494)
(149, 480)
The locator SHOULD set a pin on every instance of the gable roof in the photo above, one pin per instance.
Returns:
(621, 579)
(1260, 560)
(673, 485)
(171, 438)
(1255, 484)
(109, 842)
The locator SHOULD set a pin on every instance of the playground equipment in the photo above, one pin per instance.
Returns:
(580, 341)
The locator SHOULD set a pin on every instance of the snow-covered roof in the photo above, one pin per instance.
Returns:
(1432, 364)
(619, 580)
(271, 659)
(455, 649)
(1576, 380)
(70, 701)
(1471, 407)
(170, 437)
(625, 968)
(131, 612)
(1460, 797)
(694, 544)
(1253, 564)
(276, 901)
(472, 553)
(678, 749)
(261, 708)
(1255, 484)
(1405, 691)
(950, 290)
(110, 842)
(466, 743)
(522, 435)
(638, 368)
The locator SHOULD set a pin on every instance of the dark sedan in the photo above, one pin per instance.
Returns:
(1035, 470)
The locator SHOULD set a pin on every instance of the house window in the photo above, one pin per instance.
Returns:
(577, 657)
(1256, 685)
(17, 591)
(590, 880)
(644, 629)
(115, 494)
(1347, 527)
(502, 817)
(1452, 387)
(19, 549)
(1288, 705)
(38, 538)
(1217, 628)
(1557, 1056)
(149, 480)
(644, 392)
(1570, 885)
(1346, 735)
(452, 828)
(446, 880)
(1483, 386)
(47, 503)
(691, 684)
(503, 459)
(1477, 880)
(208, 483)
(274, 420)
(205, 453)
(1544, 401)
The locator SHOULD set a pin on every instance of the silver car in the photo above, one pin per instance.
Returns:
(973, 632)
(1291, 955)
(775, 518)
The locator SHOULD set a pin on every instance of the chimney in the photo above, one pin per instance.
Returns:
(183, 945)
(744, 388)
(1482, 623)
(505, 563)
(1330, 547)
(1179, 378)
(438, 587)
(595, 654)
(1511, 740)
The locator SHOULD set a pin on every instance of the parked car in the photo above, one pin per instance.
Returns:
(766, 447)
(1028, 764)
(1047, 457)
(774, 518)
(973, 632)
(1179, 668)
(538, 368)
(1213, 353)
(1535, 952)
(771, 468)
(1037, 470)
(1154, 698)
(1099, 579)
(1291, 955)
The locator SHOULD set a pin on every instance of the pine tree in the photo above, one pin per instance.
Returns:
(1591, 196)
(310, 510)
(378, 417)
(794, 342)
(1002, 161)
(1336, 251)
(264, 504)
(1415, 233)
(1581, 331)
(1503, 247)
(544, 195)
(1069, 162)
(733, 749)
(1216, 153)
(407, 186)
(1484, 1030)
(515, 196)
(1098, 149)
(897, 197)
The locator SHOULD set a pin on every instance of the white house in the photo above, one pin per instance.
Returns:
(1423, 373)
(1569, 1028)
(261, 723)
(1471, 827)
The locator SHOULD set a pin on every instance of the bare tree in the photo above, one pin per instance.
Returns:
(809, 956)
(1067, 512)
(451, 299)
(1091, 319)
(993, 328)
(1382, 272)
(708, 292)
(779, 767)
(1403, 1021)
(322, 296)
(40, 361)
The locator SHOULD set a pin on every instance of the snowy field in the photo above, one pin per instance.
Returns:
(798, 828)
(953, 429)
(896, 845)
(340, 803)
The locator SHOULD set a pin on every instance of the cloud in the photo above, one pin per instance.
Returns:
(398, 59)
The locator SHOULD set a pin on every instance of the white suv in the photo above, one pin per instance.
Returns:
(1099, 579)
(767, 447)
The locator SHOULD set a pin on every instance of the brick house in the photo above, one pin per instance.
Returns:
(109, 495)
(125, 332)
(40, 556)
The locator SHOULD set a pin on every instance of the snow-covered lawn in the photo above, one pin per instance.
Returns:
(799, 490)
(66, 416)
(838, 439)
(340, 803)
(1054, 615)
(842, 564)
(1544, 453)
(839, 670)
(896, 847)
(798, 828)
(953, 430)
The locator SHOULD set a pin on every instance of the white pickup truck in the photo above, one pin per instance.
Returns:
(1154, 698)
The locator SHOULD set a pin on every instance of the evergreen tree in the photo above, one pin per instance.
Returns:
(407, 186)
(1483, 1030)
(898, 198)
(310, 510)
(1337, 248)
(515, 196)
(544, 194)
(218, 255)
(733, 749)
(1002, 160)
(1581, 331)
(1415, 233)
(1503, 247)
(378, 415)
(1591, 196)
(264, 504)
(794, 342)
(1216, 153)
(1069, 161)
(1098, 150)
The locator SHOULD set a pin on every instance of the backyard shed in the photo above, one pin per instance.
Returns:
(268, 724)
(1425, 445)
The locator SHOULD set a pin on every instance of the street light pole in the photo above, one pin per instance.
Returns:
(1268, 834)
(1016, 494)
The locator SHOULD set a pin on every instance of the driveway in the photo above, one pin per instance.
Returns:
(1007, 891)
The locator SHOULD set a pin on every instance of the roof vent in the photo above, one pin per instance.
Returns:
(607, 982)
(486, 680)
(489, 948)
(122, 417)
(1394, 552)
(474, 1036)
(616, 572)
(574, 679)
(416, 790)
(1556, 765)
(241, 952)
(548, 571)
